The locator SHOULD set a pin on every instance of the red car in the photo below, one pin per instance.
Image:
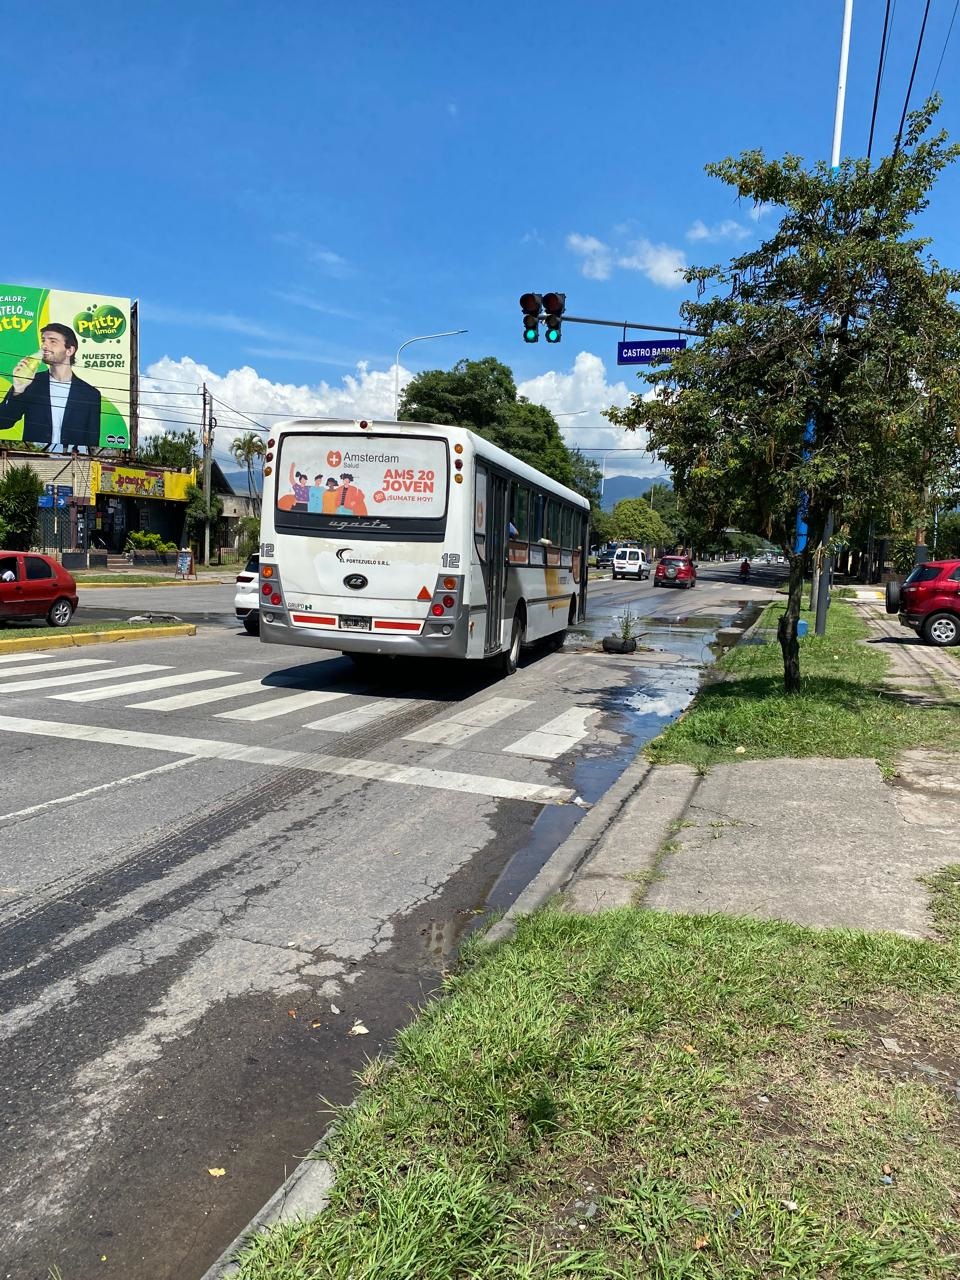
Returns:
(676, 571)
(35, 586)
(929, 601)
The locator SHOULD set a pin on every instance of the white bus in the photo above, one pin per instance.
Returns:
(412, 539)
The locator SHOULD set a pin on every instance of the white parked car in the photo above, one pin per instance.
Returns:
(247, 598)
(631, 562)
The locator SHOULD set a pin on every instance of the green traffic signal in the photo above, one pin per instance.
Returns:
(530, 329)
(554, 304)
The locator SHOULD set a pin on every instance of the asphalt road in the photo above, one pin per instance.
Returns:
(216, 858)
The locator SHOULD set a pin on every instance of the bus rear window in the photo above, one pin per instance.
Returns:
(347, 479)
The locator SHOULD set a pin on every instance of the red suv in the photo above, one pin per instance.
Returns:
(35, 586)
(675, 571)
(929, 601)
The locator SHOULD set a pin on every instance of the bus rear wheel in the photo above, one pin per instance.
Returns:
(510, 658)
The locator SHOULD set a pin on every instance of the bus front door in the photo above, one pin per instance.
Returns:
(496, 563)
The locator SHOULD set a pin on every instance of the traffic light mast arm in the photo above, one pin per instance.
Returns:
(623, 324)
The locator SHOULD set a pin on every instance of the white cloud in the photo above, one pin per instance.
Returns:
(729, 229)
(660, 263)
(293, 298)
(222, 320)
(585, 387)
(170, 400)
(597, 257)
(760, 211)
(317, 254)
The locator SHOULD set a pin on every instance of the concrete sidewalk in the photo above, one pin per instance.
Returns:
(821, 842)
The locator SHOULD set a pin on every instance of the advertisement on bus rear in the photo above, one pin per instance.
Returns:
(65, 369)
(386, 478)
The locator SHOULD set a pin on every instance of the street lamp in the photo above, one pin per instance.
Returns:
(396, 370)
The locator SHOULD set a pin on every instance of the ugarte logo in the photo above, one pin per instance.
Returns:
(100, 324)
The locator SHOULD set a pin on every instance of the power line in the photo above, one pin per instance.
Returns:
(238, 411)
(945, 43)
(916, 59)
(880, 65)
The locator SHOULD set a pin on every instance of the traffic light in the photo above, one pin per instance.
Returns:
(530, 305)
(553, 305)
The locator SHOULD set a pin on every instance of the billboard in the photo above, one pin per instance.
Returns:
(65, 368)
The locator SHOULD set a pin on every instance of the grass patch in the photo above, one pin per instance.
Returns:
(14, 632)
(944, 887)
(84, 577)
(840, 711)
(635, 1094)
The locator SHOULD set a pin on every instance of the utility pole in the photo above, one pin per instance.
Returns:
(206, 435)
(823, 562)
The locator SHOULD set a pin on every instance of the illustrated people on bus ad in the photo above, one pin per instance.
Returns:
(58, 409)
(301, 490)
(330, 497)
(317, 494)
(350, 499)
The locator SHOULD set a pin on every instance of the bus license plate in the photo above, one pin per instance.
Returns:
(354, 624)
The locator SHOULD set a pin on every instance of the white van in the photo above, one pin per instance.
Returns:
(631, 562)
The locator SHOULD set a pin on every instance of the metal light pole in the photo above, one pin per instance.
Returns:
(823, 563)
(450, 333)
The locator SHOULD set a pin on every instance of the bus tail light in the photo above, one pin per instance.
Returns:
(445, 601)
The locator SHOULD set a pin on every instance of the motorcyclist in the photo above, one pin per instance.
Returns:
(745, 571)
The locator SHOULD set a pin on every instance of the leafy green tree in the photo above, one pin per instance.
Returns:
(20, 492)
(177, 450)
(196, 512)
(635, 520)
(248, 451)
(839, 320)
(482, 395)
(601, 527)
(948, 536)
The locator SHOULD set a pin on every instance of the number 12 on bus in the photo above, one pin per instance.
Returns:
(412, 539)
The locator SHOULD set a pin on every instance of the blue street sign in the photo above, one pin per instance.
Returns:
(46, 498)
(64, 491)
(645, 352)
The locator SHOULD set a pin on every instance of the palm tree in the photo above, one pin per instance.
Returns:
(246, 450)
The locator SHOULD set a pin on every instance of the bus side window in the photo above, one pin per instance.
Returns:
(519, 531)
(537, 532)
(480, 513)
(566, 527)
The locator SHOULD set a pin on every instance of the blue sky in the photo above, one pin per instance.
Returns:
(293, 189)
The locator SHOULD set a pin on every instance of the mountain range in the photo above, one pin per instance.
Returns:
(616, 488)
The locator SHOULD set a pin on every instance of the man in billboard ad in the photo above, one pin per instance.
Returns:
(64, 369)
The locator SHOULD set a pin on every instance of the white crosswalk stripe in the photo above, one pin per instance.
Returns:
(81, 677)
(281, 706)
(380, 771)
(141, 686)
(467, 721)
(9, 659)
(177, 701)
(555, 737)
(59, 664)
(359, 717)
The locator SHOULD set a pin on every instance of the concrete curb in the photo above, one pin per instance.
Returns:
(149, 586)
(80, 638)
(303, 1194)
(564, 862)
